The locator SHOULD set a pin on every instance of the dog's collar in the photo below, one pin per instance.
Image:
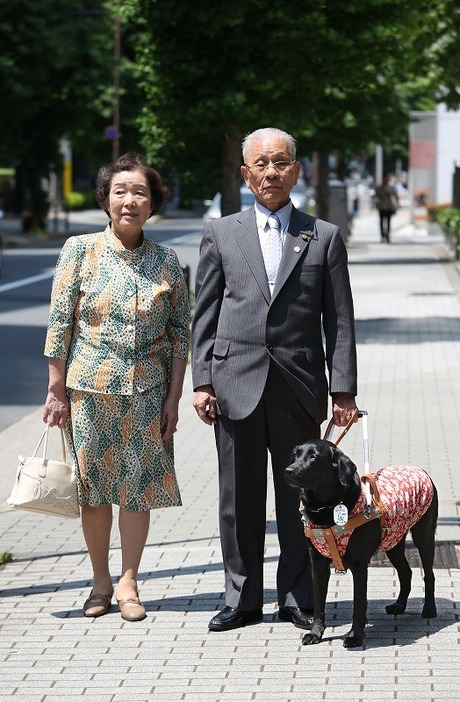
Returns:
(320, 509)
(368, 507)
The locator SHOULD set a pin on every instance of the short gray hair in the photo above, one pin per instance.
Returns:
(269, 132)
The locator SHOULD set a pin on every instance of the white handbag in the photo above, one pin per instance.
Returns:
(44, 485)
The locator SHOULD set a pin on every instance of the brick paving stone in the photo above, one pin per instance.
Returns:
(407, 300)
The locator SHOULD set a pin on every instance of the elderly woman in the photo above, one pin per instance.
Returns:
(117, 346)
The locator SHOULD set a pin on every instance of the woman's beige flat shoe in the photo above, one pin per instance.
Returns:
(132, 610)
(96, 605)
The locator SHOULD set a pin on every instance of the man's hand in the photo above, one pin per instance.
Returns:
(205, 404)
(343, 404)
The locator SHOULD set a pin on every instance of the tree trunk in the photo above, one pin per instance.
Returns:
(231, 176)
(36, 205)
(322, 184)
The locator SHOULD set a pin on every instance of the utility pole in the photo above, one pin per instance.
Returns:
(116, 86)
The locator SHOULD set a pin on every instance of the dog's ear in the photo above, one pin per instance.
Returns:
(346, 469)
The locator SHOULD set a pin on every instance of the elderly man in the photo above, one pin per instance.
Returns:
(270, 281)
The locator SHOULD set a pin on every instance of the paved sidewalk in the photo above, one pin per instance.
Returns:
(407, 298)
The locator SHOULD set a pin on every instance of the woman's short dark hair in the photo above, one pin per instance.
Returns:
(130, 162)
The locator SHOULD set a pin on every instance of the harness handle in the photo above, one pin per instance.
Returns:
(331, 425)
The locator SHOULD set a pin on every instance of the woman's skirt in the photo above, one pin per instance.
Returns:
(118, 451)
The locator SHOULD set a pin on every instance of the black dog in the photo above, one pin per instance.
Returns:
(328, 479)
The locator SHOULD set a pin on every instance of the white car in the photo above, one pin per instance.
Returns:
(300, 196)
(213, 211)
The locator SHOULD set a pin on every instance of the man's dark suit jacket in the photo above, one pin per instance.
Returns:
(306, 326)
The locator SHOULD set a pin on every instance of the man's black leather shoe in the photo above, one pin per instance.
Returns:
(230, 618)
(297, 616)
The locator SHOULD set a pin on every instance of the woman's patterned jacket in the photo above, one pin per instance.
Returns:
(117, 316)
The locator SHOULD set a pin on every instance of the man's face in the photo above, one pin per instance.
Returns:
(270, 186)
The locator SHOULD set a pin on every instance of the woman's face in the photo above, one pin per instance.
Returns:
(130, 202)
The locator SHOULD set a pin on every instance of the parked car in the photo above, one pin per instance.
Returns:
(214, 212)
(301, 197)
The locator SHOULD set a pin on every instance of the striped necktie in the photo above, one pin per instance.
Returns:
(273, 249)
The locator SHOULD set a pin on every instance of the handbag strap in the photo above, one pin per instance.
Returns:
(44, 436)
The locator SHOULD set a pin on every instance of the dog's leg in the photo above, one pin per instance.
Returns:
(354, 637)
(398, 559)
(321, 572)
(363, 543)
(423, 534)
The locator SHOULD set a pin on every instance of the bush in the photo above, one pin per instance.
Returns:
(449, 221)
(434, 210)
(80, 201)
(74, 201)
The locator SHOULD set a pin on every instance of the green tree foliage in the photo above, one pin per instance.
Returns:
(57, 77)
(51, 60)
(338, 75)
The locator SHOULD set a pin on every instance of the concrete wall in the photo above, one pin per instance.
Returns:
(434, 142)
(447, 152)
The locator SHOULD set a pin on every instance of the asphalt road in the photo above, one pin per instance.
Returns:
(25, 288)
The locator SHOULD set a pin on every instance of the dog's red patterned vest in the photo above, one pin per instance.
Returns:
(406, 492)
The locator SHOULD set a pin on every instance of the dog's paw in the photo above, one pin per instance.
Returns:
(352, 639)
(311, 638)
(395, 608)
(429, 611)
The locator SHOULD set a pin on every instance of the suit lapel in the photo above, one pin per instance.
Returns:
(300, 232)
(247, 237)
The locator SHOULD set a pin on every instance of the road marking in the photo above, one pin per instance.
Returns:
(26, 281)
(175, 241)
(182, 239)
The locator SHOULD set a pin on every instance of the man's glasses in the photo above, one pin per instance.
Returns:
(279, 166)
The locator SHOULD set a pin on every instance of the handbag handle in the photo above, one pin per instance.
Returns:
(45, 447)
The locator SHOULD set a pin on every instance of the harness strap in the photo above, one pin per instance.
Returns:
(376, 499)
(374, 511)
(333, 550)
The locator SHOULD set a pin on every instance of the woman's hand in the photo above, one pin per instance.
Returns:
(169, 418)
(56, 408)
(170, 414)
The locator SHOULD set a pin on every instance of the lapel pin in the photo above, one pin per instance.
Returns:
(296, 249)
(307, 235)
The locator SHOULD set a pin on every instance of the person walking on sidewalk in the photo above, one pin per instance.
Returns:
(387, 202)
(269, 280)
(117, 346)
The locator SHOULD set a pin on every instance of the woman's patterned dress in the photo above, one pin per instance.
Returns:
(118, 317)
